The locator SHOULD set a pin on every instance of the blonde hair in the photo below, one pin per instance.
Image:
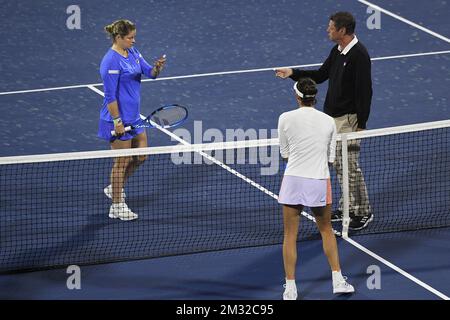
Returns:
(120, 27)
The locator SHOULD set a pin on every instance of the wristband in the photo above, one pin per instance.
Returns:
(117, 121)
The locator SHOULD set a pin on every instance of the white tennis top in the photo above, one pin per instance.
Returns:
(308, 138)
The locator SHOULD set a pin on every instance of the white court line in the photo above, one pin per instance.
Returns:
(357, 245)
(411, 55)
(231, 72)
(96, 90)
(214, 160)
(308, 216)
(435, 34)
(217, 162)
(394, 267)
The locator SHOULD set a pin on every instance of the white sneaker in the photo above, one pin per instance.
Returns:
(342, 286)
(108, 193)
(121, 211)
(289, 293)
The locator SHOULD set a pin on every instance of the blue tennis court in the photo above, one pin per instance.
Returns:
(220, 56)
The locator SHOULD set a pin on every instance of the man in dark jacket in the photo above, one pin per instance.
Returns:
(349, 95)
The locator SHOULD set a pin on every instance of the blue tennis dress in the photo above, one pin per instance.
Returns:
(122, 83)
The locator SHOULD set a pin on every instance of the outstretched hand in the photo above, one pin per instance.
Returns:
(283, 73)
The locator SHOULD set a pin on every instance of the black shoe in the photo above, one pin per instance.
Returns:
(360, 222)
(336, 216)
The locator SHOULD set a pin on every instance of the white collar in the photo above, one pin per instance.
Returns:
(349, 46)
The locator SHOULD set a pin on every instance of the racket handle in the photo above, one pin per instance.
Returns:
(113, 132)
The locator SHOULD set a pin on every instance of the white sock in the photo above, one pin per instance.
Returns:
(118, 205)
(290, 284)
(337, 276)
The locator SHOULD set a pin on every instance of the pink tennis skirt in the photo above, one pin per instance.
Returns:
(305, 191)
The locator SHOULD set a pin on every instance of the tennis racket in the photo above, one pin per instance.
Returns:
(168, 116)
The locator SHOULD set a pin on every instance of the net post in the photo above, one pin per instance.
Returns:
(345, 186)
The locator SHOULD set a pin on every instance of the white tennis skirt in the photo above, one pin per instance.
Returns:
(305, 191)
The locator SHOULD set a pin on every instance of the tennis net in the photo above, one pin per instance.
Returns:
(53, 211)
(406, 171)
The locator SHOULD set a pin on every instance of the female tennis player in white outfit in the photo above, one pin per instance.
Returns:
(308, 140)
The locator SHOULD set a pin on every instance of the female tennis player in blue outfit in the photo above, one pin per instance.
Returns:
(308, 139)
(121, 70)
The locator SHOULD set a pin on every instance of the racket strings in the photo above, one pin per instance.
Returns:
(169, 116)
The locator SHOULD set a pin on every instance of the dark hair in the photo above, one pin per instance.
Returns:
(344, 20)
(120, 27)
(307, 87)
